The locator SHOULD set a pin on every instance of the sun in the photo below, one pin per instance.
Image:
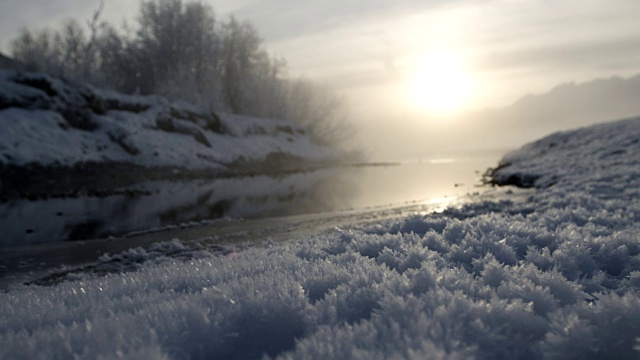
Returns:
(440, 83)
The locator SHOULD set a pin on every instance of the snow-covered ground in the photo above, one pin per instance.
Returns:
(555, 276)
(48, 122)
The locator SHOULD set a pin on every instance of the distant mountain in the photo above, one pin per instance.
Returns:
(564, 107)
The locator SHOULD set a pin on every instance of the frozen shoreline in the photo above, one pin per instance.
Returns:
(554, 276)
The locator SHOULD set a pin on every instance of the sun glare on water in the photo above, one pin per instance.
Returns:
(440, 84)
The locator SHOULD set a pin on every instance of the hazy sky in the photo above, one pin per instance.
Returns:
(373, 50)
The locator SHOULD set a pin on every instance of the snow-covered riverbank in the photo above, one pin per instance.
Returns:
(555, 276)
(57, 130)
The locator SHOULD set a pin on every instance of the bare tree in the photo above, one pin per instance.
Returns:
(179, 42)
(33, 49)
(240, 44)
(90, 48)
(178, 49)
(320, 109)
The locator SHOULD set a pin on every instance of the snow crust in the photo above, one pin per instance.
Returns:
(46, 121)
(556, 276)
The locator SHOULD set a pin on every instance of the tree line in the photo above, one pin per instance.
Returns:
(180, 50)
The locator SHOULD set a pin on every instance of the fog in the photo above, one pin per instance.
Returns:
(515, 55)
(564, 107)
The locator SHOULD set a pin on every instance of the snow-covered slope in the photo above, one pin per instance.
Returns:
(600, 157)
(48, 122)
(556, 276)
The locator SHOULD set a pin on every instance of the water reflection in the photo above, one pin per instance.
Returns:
(164, 203)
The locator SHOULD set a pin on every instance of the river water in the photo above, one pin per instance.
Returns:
(165, 204)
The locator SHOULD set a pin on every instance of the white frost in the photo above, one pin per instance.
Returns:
(556, 276)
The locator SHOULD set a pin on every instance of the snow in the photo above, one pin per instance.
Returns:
(554, 276)
(47, 121)
(606, 152)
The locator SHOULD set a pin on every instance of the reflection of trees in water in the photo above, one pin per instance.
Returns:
(171, 203)
(256, 197)
(202, 211)
(85, 230)
(330, 193)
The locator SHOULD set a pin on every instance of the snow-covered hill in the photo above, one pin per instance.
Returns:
(607, 152)
(47, 122)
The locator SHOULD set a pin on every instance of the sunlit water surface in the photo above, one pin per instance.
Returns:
(153, 205)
